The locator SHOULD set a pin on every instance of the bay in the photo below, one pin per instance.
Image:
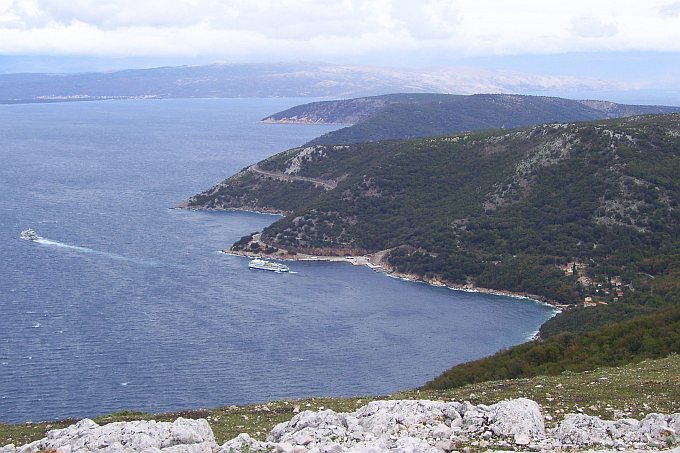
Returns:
(127, 304)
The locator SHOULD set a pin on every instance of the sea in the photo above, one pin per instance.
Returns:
(128, 304)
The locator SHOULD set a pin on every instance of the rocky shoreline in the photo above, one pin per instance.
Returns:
(408, 426)
(301, 121)
(377, 262)
(374, 261)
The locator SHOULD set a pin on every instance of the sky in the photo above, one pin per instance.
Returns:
(635, 41)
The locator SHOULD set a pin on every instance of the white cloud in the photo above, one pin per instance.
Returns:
(329, 29)
(122, 13)
(593, 27)
(670, 8)
(22, 14)
(431, 20)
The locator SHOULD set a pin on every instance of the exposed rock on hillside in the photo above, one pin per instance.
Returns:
(381, 426)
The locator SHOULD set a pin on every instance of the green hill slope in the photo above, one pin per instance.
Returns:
(350, 111)
(641, 338)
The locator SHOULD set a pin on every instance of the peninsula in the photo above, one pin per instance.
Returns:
(578, 214)
(415, 115)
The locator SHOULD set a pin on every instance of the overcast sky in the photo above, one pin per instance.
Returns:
(382, 32)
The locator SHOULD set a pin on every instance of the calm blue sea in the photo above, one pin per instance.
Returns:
(127, 304)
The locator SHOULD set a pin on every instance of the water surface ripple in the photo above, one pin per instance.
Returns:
(126, 304)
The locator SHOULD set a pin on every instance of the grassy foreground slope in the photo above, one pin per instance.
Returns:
(605, 392)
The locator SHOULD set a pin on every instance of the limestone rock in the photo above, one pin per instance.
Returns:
(520, 418)
(310, 427)
(408, 426)
(182, 436)
(375, 446)
(442, 432)
(657, 428)
(582, 430)
(243, 442)
(414, 445)
(330, 447)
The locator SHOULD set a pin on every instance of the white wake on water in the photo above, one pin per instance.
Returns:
(88, 250)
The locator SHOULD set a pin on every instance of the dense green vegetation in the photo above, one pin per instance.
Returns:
(652, 336)
(508, 210)
(505, 210)
(656, 284)
(249, 191)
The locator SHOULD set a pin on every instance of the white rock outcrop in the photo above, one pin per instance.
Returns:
(407, 426)
(188, 436)
(654, 430)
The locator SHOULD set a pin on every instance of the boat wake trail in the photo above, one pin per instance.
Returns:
(87, 250)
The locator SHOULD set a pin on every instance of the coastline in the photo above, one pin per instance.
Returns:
(375, 262)
(277, 212)
(301, 122)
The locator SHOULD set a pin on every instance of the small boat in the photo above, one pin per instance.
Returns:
(29, 235)
(265, 265)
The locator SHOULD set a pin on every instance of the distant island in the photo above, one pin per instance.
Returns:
(414, 115)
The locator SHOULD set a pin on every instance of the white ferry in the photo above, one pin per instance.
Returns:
(29, 235)
(265, 265)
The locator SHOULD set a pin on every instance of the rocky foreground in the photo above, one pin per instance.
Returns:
(413, 426)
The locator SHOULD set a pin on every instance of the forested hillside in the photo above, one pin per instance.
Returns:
(553, 210)
(653, 336)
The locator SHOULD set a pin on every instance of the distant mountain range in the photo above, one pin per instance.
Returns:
(279, 79)
(414, 115)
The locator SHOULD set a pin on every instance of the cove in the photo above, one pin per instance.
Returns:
(129, 305)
